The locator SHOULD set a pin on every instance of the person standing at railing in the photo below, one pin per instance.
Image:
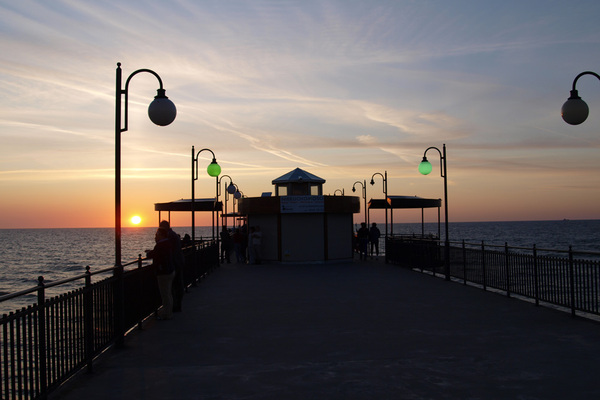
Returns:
(162, 261)
(363, 240)
(178, 263)
(374, 235)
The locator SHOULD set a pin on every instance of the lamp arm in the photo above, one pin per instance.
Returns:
(219, 184)
(195, 160)
(442, 159)
(126, 91)
(384, 180)
(582, 74)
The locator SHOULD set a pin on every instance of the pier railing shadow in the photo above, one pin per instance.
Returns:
(45, 343)
(566, 279)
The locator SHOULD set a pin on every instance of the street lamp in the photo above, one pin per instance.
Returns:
(385, 191)
(575, 110)
(161, 111)
(364, 193)
(339, 190)
(230, 189)
(213, 170)
(425, 168)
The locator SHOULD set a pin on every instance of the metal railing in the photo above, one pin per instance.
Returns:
(563, 278)
(45, 343)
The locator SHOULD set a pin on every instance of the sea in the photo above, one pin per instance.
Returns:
(57, 254)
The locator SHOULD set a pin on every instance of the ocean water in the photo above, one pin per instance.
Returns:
(58, 254)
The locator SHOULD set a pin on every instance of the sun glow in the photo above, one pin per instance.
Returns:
(136, 219)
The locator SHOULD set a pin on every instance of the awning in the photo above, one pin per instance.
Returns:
(186, 205)
(405, 202)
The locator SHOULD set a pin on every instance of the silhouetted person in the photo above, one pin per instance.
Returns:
(178, 263)
(226, 244)
(374, 235)
(363, 240)
(162, 261)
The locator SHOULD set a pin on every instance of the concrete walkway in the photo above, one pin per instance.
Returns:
(348, 331)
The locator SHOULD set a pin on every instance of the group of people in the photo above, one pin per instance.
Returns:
(246, 245)
(167, 259)
(365, 236)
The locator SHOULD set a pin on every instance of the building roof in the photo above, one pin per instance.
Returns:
(186, 205)
(404, 202)
(297, 175)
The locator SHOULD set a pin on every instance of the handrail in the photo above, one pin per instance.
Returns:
(50, 284)
(45, 343)
(502, 246)
(564, 281)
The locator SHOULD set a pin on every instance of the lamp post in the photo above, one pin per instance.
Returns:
(213, 170)
(425, 168)
(385, 191)
(236, 196)
(230, 189)
(161, 111)
(338, 190)
(364, 193)
(574, 111)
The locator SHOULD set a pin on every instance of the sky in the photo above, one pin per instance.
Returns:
(343, 89)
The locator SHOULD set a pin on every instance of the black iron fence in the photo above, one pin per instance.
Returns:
(45, 343)
(567, 279)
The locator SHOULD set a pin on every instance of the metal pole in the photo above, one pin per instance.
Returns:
(386, 203)
(193, 209)
(118, 94)
(447, 241)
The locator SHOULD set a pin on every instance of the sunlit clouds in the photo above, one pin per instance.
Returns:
(341, 89)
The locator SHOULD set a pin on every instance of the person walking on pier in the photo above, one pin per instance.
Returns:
(374, 235)
(178, 263)
(162, 261)
(363, 240)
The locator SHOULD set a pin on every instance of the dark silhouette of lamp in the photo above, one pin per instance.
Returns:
(212, 170)
(425, 168)
(162, 112)
(574, 111)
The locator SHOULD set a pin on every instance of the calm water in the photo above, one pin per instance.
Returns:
(57, 254)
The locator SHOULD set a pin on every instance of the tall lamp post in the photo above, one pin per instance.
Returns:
(161, 111)
(425, 168)
(385, 191)
(574, 111)
(213, 170)
(364, 194)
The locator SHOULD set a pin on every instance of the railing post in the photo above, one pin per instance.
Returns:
(88, 318)
(536, 276)
(464, 250)
(43, 357)
(507, 265)
(484, 281)
(572, 278)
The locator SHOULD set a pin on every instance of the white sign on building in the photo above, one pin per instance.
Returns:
(302, 204)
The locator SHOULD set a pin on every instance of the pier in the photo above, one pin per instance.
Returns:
(352, 330)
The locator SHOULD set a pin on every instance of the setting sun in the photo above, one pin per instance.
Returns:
(136, 220)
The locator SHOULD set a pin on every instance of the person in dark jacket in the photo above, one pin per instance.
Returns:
(162, 261)
(374, 235)
(178, 263)
(363, 240)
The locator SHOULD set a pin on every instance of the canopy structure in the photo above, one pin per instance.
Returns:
(402, 202)
(185, 205)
